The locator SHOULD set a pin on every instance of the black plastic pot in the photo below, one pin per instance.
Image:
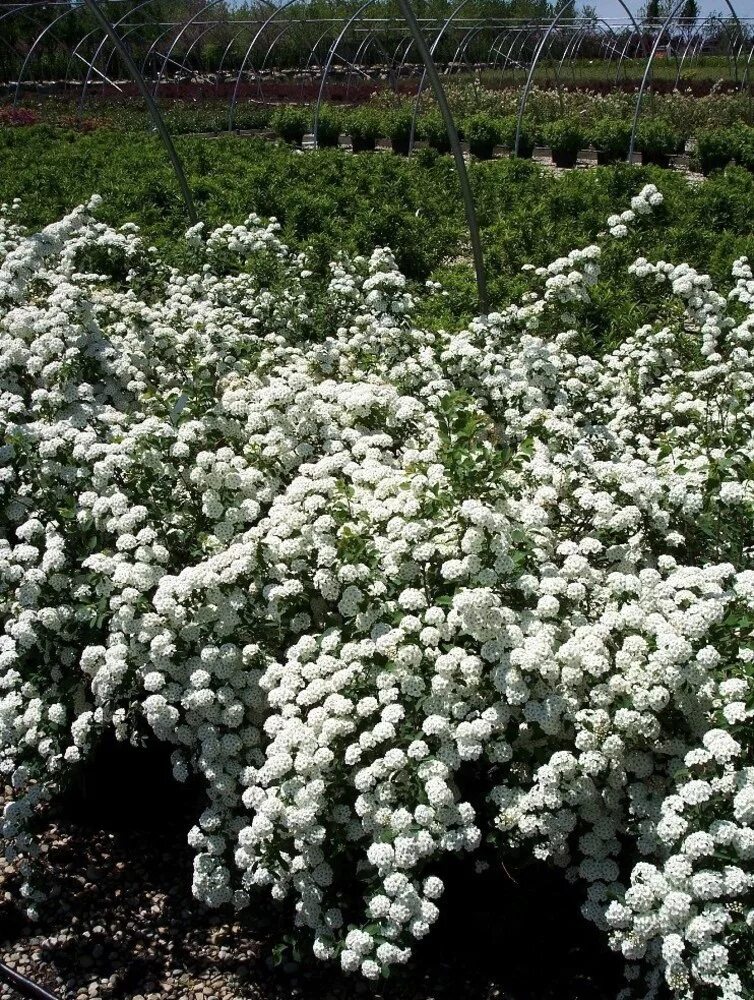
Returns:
(658, 159)
(603, 158)
(482, 150)
(362, 144)
(564, 157)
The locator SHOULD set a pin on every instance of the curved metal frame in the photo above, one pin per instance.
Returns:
(496, 49)
(369, 40)
(113, 53)
(431, 51)
(192, 20)
(283, 31)
(637, 110)
(455, 145)
(745, 76)
(24, 11)
(74, 54)
(105, 38)
(532, 69)
(518, 62)
(511, 48)
(328, 64)
(310, 67)
(228, 47)
(270, 19)
(154, 111)
(689, 46)
(30, 53)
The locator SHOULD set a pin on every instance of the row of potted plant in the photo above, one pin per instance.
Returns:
(655, 138)
(717, 147)
(610, 136)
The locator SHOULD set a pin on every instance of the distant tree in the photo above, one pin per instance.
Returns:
(690, 11)
(651, 12)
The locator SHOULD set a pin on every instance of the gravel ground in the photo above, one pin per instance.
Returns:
(121, 923)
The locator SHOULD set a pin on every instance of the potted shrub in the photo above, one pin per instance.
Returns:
(247, 116)
(715, 148)
(482, 132)
(746, 148)
(611, 137)
(657, 140)
(565, 137)
(329, 125)
(365, 126)
(291, 123)
(507, 135)
(432, 128)
(399, 126)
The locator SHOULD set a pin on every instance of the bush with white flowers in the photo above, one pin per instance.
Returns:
(391, 592)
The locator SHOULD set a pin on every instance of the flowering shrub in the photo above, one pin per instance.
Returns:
(391, 592)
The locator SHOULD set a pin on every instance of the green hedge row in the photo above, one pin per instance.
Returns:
(717, 147)
(655, 138)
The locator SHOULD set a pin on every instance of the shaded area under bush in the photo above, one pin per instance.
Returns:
(124, 918)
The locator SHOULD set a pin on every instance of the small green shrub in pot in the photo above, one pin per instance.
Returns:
(507, 135)
(565, 137)
(329, 125)
(365, 126)
(745, 155)
(291, 123)
(657, 140)
(717, 147)
(431, 127)
(399, 123)
(611, 137)
(482, 132)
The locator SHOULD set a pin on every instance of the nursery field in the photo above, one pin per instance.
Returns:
(353, 642)
(330, 202)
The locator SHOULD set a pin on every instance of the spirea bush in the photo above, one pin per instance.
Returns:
(392, 593)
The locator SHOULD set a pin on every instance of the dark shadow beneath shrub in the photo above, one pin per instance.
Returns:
(521, 930)
(513, 934)
(122, 787)
(517, 936)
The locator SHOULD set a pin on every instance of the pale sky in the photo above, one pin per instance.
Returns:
(611, 8)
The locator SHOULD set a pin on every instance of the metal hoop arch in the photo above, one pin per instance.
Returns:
(522, 107)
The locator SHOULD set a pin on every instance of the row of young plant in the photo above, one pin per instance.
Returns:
(483, 132)
(684, 112)
(656, 138)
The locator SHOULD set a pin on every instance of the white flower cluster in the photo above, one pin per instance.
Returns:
(391, 592)
(647, 199)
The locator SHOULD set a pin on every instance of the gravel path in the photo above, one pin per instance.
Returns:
(122, 923)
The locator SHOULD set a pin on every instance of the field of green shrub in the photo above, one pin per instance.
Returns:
(718, 128)
(330, 203)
